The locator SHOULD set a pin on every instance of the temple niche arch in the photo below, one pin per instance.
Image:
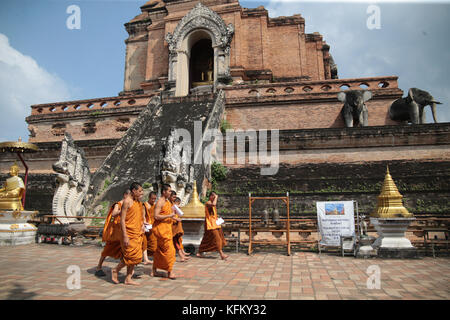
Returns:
(199, 27)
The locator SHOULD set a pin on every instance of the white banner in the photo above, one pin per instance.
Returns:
(335, 219)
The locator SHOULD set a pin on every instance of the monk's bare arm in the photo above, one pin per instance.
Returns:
(123, 214)
(143, 218)
(116, 211)
(213, 203)
(158, 208)
(144, 213)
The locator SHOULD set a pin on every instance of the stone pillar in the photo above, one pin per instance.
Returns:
(182, 74)
(172, 76)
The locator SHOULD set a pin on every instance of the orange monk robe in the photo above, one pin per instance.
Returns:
(177, 233)
(164, 256)
(150, 237)
(213, 239)
(111, 230)
(132, 254)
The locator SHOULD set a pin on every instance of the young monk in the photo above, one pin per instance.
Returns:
(164, 256)
(213, 239)
(177, 229)
(112, 234)
(131, 220)
(150, 219)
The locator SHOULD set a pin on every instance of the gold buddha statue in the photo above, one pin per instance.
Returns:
(206, 75)
(11, 194)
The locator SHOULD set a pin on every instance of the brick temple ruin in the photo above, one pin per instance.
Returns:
(272, 75)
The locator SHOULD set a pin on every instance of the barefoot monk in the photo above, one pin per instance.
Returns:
(164, 256)
(131, 220)
(177, 228)
(149, 220)
(111, 234)
(213, 239)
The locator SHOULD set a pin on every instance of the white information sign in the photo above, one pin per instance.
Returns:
(335, 219)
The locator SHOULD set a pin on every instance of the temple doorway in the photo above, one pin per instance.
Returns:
(201, 64)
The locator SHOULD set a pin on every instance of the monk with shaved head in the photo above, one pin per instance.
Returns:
(150, 247)
(213, 238)
(132, 223)
(112, 234)
(164, 256)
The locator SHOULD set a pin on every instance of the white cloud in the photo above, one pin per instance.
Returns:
(24, 83)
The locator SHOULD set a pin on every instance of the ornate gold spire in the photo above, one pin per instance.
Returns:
(194, 209)
(390, 201)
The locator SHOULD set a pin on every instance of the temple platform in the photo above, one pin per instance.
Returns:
(14, 228)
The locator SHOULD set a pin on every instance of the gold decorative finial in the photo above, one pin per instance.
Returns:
(390, 201)
(194, 209)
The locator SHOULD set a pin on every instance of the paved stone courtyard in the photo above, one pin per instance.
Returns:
(39, 271)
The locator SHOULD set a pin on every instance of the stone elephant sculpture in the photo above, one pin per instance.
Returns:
(411, 107)
(355, 111)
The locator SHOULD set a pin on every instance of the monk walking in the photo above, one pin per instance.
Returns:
(112, 234)
(150, 219)
(177, 228)
(164, 256)
(131, 220)
(213, 239)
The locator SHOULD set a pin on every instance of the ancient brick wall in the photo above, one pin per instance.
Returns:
(427, 142)
(315, 165)
(84, 129)
(307, 104)
(424, 185)
(157, 56)
(91, 119)
(302, 115)
(277, 46)
(135, 63)
(284, 52)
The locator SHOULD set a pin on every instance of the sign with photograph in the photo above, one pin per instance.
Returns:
(335, 219)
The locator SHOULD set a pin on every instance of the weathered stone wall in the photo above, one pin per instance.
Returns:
(335, 145)
(357, 145)
(425, 186)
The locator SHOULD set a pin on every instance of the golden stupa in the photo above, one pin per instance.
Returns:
(194, 209)
(390, 203)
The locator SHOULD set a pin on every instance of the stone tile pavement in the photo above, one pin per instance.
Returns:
(39, 271)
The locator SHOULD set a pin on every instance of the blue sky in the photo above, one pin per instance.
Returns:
(43, 61)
